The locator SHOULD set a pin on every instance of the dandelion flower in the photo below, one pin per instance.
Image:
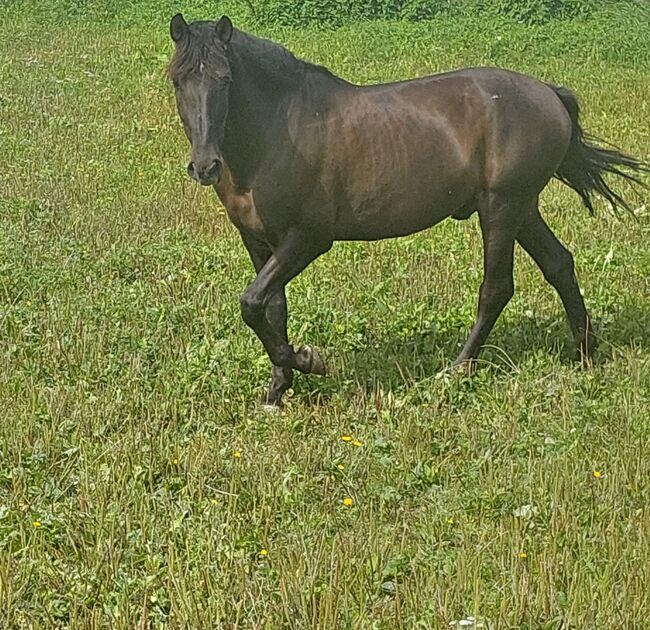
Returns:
(523, 555)
(348, 501)
(175, 461)
(346, 438)
(341, 466)
(598, 474)
(214, 501)
(358, 443)
(237, 454)
(36, 523)
(450, 520)
(263, 552)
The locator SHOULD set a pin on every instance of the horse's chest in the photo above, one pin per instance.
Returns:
(241, 209)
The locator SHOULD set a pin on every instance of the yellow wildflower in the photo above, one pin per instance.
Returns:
(450, 520)
(598, 474)
(346, 438)
(341, 466)
(236, 454)
(36, 523)
(348, 501)
(358, 443)
(263, 552)
(523, 555)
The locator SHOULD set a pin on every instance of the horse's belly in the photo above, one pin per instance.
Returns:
(404, 201)
(408, 211)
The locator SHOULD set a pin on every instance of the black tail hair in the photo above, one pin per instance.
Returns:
(585, 163)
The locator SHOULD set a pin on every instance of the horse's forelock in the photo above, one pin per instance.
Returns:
(199, 53)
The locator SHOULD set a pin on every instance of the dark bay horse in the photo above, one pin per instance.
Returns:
(301, 158)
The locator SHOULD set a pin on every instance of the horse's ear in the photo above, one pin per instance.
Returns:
(224, 29)
(178, 27)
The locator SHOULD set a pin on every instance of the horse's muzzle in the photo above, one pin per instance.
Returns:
(208, 175)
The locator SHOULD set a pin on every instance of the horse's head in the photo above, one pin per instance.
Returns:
(200, 72)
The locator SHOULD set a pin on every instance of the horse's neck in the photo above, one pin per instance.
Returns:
(260, 93)
(257, 92)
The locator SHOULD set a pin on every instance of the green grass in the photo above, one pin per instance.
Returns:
(128, 381)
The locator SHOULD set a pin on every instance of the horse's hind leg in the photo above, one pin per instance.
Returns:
(556, 263)
(500, 220)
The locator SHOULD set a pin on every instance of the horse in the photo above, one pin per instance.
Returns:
(301, 158)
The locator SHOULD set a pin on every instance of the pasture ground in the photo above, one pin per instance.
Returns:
(140, 485)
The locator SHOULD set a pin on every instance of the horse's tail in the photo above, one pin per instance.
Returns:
(585, 163)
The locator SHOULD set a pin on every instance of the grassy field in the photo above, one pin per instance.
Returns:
(141, 486)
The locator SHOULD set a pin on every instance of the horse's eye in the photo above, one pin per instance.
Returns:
(175, 84)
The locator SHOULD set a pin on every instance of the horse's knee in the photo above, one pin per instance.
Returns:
(277, 306)
(276, 300)
(252, 307)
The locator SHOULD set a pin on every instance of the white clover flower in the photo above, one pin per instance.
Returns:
(470, 622)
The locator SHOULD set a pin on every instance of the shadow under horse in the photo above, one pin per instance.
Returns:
(301, 158)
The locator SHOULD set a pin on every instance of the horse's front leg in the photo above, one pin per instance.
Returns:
(276, 315)
(281, 377)
(263, 307)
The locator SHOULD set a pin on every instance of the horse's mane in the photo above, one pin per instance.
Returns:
(276, 58)
(199, 49)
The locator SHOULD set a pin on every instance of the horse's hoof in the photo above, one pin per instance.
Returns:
(586, 360)
(317, 363)
(585, 354)
(464, 368)
(310, 362)
(270, 403)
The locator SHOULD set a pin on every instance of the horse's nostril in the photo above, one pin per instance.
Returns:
(214, 169)
(205, 175)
